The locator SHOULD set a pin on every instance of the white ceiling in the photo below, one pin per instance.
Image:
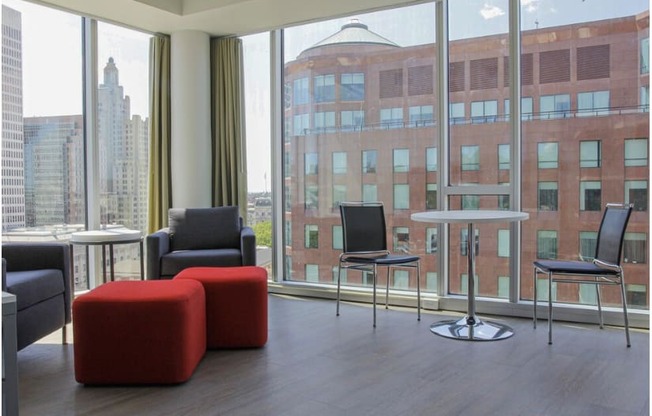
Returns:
(219, 17)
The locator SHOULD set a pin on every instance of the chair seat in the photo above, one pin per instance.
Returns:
(573, 267)
(388, 259)
(176, 261)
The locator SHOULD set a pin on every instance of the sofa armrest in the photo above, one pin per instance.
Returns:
(36, 256)
(4, 275)
(248, 246)
(157, 244)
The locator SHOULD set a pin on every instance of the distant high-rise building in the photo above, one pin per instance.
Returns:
(13, 171)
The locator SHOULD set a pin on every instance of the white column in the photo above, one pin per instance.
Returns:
(191, 119)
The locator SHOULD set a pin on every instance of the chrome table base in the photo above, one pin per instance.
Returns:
(471, 329)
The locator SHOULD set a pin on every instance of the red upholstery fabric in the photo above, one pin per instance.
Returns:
(139, 332)
(236, 304)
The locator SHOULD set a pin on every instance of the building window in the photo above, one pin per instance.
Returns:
(504, 156)
(312, 197)
(401, 196)
(526, 108)
(503, 202)
(548, 155)
(401, 238)
(554, 106)
(301, 92)
(352, 120)
(401, 279)
(421, 115)
(595, 103)
(590, 154)
(312, 273)
(324, 88)
(352, 87)
(311, 232)
(464, 243)
(636, 295)
(645, 98)
(301, 124)
(542, 290)
(590, 196)
(503, 287)
(470, 157)
(484, 111)
(369, 158)
(311, 163)
(634, 248)
(547, 196)
(431, 159)
(339, 195)
(339, 163)
(431, 240)
(645, 56)
(636, 193)
(369, 193)
(635, 152)
(324, 121)
(431, 196)
(503, 243)
(338, 237)
(456, 115)
(391, 118)
(546, 244)
(588, 244)
(401, 160)
(470, 202)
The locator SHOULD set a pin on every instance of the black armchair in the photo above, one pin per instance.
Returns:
(40, 276)
(200, 237)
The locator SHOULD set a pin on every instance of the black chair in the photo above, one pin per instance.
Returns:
(603, 270)
(365, 248)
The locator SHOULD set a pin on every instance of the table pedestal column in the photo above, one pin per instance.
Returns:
(470, 327)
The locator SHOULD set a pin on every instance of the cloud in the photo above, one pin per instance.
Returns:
(530, 6)
(490, 12)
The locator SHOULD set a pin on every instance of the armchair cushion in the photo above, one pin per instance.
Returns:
(34, 286)
(204, 228)
(175, 262)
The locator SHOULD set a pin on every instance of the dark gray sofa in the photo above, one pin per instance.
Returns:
(39, 274)
(200, 237)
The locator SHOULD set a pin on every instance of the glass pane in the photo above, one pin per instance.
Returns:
(43, 179)
(586, 96)
(383, 102)
(123, 137)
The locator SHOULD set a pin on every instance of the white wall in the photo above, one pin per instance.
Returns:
(191, 119)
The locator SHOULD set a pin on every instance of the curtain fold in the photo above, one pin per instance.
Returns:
(229, 182)
(159, 180)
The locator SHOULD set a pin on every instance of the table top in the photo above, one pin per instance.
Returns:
(470, 216)
(117, 235)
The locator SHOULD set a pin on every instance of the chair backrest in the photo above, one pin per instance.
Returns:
(612, 232)
(363, 227)
(204, 228)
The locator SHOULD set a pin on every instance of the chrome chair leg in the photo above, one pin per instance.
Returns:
(418, 291)
(339, 276)
(387, 289)
(597, 291)
(624, 299)
(374, 296)
(534, 315)
(549, 308)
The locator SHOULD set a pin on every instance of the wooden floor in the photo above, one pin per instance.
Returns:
(317, 364)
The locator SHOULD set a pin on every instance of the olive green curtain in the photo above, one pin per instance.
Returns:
(229, 182)
(159, 180)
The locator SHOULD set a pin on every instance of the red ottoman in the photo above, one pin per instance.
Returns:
(236, 304)
(139, 332)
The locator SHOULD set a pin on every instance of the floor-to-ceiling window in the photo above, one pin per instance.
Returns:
(45, 150)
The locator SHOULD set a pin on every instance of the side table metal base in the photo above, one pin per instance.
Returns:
(471, 329)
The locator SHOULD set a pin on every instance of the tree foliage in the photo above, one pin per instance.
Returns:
(263, 231)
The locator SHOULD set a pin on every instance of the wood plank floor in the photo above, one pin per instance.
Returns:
(317, 364)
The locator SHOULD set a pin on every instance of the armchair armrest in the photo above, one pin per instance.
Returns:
(248, 246)
(4, 275)
(157, 244)
(36, 256)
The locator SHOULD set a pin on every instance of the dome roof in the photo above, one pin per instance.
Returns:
(354, 33)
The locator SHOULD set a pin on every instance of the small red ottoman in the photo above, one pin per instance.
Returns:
(139, 332)
(236, 304)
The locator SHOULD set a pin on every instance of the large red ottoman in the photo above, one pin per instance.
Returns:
(139, 332)
(236, 304)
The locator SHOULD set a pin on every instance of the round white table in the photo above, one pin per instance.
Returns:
(109, 238)
(470, 327)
